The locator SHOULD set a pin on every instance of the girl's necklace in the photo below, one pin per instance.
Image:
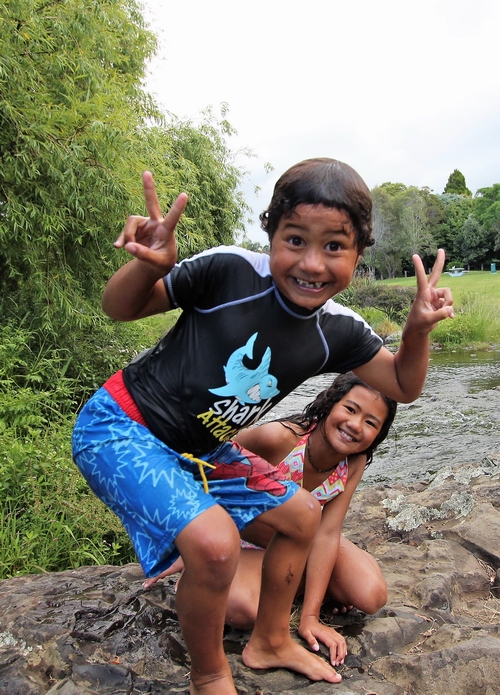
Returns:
(311, 461)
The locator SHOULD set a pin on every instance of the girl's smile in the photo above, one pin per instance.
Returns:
(313, 254)
(351, 426)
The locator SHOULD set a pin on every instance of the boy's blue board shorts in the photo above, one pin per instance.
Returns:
(155, 491)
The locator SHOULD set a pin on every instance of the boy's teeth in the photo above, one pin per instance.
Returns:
(314, 285)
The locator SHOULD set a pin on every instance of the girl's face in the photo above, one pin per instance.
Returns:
(355, 421)
(313, 254)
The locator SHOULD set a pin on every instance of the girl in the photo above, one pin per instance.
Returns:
(325, 449)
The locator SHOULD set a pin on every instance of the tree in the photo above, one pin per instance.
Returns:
(473, 243)
(412, 210)
(198, 160)
(487, 211)
(76, 131)
(401, 227)
(455, 210)
(393, 189)
(487, 207)
(386, 254)
(70, 112)
(456, 184)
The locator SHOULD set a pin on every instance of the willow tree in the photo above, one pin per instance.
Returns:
(198, 159)
(71, 104)
(76, 130)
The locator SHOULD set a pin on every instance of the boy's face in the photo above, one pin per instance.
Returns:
(313, 254)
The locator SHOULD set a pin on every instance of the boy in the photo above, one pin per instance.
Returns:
(253, 328)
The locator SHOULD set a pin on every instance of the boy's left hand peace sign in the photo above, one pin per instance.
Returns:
(432, 304)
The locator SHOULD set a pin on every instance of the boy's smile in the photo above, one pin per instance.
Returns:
(313, 254)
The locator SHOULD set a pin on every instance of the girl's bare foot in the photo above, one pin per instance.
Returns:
(340, 608)
(289, 655)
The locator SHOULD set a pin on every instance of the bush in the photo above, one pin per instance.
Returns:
(39, 386)
(34, 388)
(49, 518)
(393, 300)
(379, 321)
(474, 323)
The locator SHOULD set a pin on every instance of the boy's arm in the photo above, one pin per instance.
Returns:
(402, 376)
(137, 289)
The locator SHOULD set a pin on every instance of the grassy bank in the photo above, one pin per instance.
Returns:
(477, 308)
(49, 518)
(484, 283)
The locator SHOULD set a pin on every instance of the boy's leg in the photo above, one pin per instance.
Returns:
(165, 511)
(271, 645)
(209, 546)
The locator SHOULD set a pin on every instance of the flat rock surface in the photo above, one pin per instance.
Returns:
(95, 630)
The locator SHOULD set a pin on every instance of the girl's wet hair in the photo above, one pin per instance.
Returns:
(320, 409)
(322, 181)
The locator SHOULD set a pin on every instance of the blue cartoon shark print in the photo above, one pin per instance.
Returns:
(248, 385)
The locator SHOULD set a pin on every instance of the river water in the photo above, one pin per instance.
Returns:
(456, 419)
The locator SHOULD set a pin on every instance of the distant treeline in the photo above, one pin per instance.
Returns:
(408, 220)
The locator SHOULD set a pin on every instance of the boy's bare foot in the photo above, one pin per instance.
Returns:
(289, 655)
(218, 684)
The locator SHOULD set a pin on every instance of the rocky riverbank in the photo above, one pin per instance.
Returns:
(95, 630)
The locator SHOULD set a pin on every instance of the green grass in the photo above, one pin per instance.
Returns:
(154, 327)
(484, 283)
(477, 309)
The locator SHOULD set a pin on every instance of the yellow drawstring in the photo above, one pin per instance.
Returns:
(200, 463)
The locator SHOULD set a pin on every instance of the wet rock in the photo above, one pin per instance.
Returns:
(94, 630)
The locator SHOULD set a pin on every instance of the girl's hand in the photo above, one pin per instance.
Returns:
(152, 239)
(178, 566)
(431, 304)
(312, 630)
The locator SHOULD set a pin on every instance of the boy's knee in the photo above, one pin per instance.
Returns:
(210, 549)
(304, 515)
(217, 556)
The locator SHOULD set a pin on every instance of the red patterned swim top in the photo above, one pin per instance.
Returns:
(293, 467)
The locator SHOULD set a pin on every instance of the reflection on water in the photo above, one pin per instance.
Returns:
(456, 419)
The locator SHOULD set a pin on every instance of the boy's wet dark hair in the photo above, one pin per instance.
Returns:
(322, 181)
(320, 409)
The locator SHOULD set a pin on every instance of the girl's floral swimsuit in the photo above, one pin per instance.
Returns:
(292, 467)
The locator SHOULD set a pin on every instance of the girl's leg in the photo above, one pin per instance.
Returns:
(271, 645)
(209, 546)
(357, 579)
(243, 601)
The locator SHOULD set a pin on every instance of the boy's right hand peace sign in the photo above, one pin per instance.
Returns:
(152, 239)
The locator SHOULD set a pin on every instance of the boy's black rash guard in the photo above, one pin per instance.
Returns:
(237, 349)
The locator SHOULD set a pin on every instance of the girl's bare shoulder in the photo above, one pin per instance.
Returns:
(272, 440)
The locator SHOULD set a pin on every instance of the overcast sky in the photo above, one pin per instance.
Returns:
(402, 91)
